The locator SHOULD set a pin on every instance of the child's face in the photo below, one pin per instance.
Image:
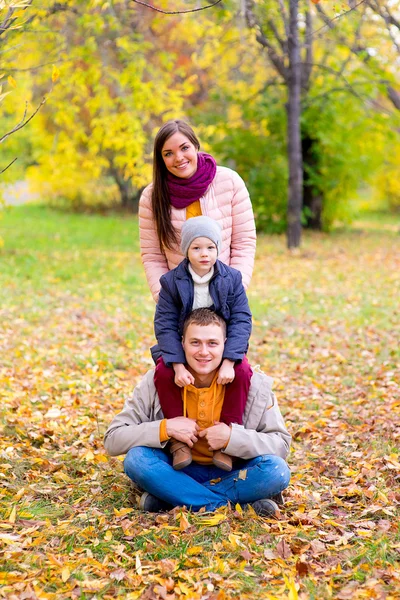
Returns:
(202, 255)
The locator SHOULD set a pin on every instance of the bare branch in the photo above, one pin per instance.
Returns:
(60, 7)
(394, 96)
(329, 22)
(176, 12)
(307, 66)
(11, 163)
(9, 19)
(24, 121)
(283, 43)
(386, 15)
(365, 100)
(389, 18)
(361, 52)
(270, 83)
(285, 17)
(276, 59)
(37, 67)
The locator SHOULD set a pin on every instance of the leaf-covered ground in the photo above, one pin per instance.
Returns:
(75, 329)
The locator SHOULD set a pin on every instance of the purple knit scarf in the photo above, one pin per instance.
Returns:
(185, 191)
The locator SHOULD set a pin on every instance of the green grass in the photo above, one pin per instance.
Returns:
(75, 331)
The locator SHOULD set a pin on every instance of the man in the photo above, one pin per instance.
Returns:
(259, 446)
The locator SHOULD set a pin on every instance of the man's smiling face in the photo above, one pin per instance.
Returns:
(203, 346)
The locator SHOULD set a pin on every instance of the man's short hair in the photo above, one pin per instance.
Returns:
(204, 317)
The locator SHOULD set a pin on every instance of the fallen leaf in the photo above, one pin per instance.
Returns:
(283, 549)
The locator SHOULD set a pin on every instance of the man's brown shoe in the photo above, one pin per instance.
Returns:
(222, 461)
(181, 454)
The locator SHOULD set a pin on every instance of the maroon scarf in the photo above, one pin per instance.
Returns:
(185, 191)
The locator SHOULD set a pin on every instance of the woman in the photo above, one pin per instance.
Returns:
(188, 183)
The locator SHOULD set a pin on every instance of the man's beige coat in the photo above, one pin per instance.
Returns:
(263, 430)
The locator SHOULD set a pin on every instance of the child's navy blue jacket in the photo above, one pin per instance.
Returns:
(176, 301)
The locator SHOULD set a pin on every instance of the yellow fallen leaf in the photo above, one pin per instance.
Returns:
(13, 514)
(93, 585)
(65, 574)
(122, 512)
(19, 494)
(185, 590)
(89, 456)
(101, 458)
(194, 550)
(183, 522)
(235, 540)
(108, 536)
(213, 520)
(12, 81)
(9, 538)
(138, 564)
(51, 558)
(382, 496)
(364, 533)
(290, 584)
(134, 595)
(350, 472)
(239, 509)
(40, 593)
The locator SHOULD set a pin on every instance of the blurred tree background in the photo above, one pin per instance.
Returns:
(120, 70)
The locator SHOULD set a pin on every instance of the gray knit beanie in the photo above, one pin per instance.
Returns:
(200, 227)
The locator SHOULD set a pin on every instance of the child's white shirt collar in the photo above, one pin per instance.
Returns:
(201, 280)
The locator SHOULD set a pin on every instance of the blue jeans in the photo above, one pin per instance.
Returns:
(251, 480)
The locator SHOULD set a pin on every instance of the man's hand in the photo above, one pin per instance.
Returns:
(182, 375)
(226, 372)
(217, 436)
(183, 429)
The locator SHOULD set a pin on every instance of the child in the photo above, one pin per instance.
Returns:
(201, 280)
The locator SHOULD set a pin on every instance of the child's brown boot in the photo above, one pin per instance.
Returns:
(222, 461)
(181, 454)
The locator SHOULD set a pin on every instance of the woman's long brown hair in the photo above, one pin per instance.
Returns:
(160, 198)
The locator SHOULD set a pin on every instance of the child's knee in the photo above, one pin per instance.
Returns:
(163, 373)
(243, 370)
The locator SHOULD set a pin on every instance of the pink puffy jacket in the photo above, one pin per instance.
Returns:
(227, 201)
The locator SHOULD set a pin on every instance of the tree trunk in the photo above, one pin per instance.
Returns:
(312, 197)
(129, 196)
(293, 107)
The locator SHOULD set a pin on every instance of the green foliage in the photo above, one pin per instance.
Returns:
(348, 146)
(387, 180)
(123, 70)
(257, 151)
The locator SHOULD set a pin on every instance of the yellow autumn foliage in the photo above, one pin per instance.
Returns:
(387, 182)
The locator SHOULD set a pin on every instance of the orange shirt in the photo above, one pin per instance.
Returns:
(193, 210)
(204, 405)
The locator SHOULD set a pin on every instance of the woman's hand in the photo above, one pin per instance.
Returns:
(217, 436)
(182, 375)
(226, 372)
(183, 429)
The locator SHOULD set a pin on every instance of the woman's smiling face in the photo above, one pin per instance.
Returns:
(180, 156)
